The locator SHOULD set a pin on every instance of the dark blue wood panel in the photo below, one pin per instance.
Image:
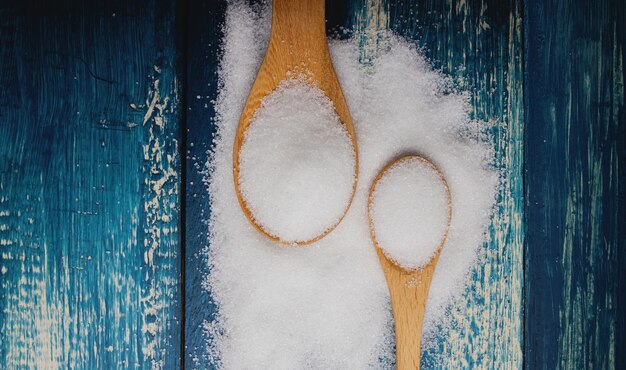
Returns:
(203, 48)
(89, 185)
(575, 185)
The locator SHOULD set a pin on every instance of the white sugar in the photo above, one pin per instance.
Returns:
(297, 164)
(410, 212)
(326, 305)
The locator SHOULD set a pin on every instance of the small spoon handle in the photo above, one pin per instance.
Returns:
(409, 293)
(408, 288)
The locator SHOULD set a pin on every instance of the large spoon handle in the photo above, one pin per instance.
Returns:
(293, 20)
(409, 293)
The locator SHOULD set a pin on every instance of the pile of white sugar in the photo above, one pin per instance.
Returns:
(297, 164)
(326, 305)
(410, 212)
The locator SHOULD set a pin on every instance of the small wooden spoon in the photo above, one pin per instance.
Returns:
(408, 288)
(297, 49)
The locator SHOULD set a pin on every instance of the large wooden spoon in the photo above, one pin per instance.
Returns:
(408, 288)
(297, 49)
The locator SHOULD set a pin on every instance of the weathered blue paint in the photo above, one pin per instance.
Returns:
(89, 184)
(575, 185)
(90, 177)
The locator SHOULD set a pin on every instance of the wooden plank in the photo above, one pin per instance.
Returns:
(203, 43)
(479, 43)
(575, 185)
(205, 18)
(89, 185)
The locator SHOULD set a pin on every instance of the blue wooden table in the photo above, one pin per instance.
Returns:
(105, 123)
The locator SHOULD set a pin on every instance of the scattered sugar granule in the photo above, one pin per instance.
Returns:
(297, 163)
(410, 212)
(326, 305)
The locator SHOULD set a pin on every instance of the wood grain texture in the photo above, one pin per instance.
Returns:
(479, 43)
(204, 34)
(89, 186)
(89, 177)
(297, 49)
(575, 185)
(408, 289)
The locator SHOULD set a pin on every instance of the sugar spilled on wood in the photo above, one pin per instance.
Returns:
(410, 212)
(327, 305)
(297, 163)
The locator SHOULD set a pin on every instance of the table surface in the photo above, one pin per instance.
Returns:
(105, 126)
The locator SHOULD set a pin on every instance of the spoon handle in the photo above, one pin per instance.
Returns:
(298, 23)
(409, 293)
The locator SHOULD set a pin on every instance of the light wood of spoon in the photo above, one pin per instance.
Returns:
(297, 49)
(408, 288)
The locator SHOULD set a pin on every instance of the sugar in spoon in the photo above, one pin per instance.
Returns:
(297, 49)
(408, 287)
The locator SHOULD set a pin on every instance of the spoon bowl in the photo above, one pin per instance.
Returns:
(297, 50)
(408, 288)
